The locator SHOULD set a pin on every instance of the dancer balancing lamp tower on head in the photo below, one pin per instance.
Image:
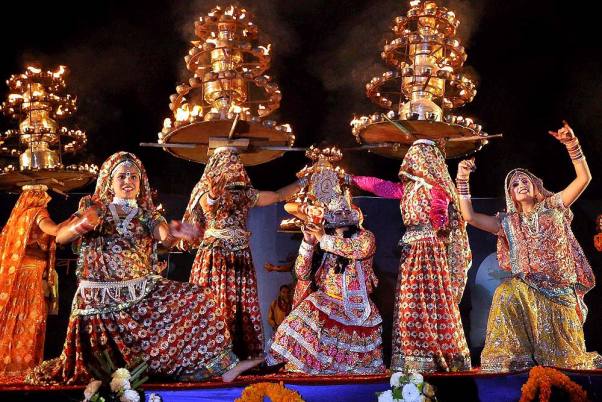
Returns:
(219, 118)
(426, 84)
(219, 205)
(28, 281)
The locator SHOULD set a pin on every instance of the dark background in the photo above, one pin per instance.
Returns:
(535, 62)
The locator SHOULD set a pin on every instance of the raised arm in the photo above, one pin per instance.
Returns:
(583, 176)
(379, 187)
(209, 200)
(303, 265)
(303, 262)
(484, 222)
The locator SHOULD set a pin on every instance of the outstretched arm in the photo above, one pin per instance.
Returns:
(46, 224)
(379, 187)
(583, 176)
(168, 235)
(283, 194)
(484, 222)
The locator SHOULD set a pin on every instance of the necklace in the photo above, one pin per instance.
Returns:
(531, 221)
(122, 225)
(126, 204)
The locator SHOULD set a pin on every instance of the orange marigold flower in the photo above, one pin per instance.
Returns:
(542, 379)
(276, 393)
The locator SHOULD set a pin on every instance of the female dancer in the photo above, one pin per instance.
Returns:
(427, 329)
(334, 327)
(219, 205)
(537, 316)
(122, 306)
(28, 281)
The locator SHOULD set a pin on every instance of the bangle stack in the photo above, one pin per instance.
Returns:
(574, 149)
(463, 188)
(211, 201)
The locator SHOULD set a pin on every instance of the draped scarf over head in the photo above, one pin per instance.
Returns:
(540, 192)
(425, 161)
(104, 192)
(226, 163)
(13, 242)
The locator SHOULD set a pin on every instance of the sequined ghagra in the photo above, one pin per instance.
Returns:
(124, 308)
(537, 316)
(335, 329)
(223, 262)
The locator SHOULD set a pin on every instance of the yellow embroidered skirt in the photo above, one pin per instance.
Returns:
(525, 329)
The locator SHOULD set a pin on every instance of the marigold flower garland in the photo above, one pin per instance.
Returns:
(543, 378)
(276, 393)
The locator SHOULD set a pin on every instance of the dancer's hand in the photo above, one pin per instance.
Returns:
(465, 168)
(316, 231)
(564, 134)
(183, 230)
(308, 237)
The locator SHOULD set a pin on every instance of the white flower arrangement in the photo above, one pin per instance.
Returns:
(129, 395)
(123, 385)
(408, 388)
(154, 398)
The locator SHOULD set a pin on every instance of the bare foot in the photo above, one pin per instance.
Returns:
(240, 368)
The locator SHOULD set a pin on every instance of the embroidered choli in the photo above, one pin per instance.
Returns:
(117, 269)
(542, 250)
(347, 292)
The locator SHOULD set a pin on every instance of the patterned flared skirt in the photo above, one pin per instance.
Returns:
(23, 321)
(230, 276)
(427, 329)
(177, 328)
(309, 341)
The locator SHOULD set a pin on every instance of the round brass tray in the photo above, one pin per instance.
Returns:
(60, 180)
(385, 132)
(199, 134)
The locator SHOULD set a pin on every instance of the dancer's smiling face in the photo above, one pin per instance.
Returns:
(522, 188)
(125, 181)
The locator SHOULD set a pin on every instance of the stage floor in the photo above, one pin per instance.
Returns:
(465, 386)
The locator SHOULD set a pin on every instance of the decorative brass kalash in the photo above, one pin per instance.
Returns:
(425, 85)
(226, 99)
(37, 99)
(324, 192)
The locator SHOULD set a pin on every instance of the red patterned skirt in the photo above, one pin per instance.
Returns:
(427, 329)
(230, 276)
(310, 341)
(175, 327)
